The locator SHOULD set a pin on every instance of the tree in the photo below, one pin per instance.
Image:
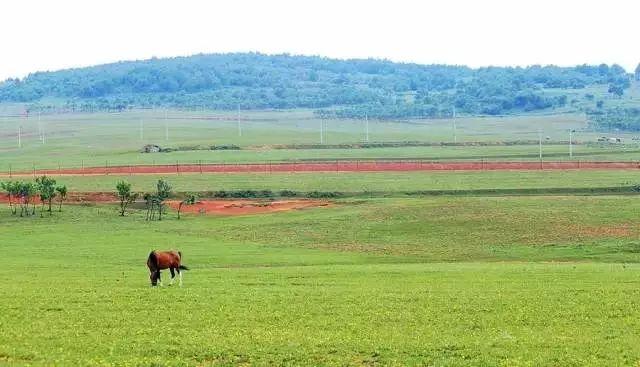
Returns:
(638, 73)
(125, 195)
(47, 188)
(190, 199)
(616, 89)
(12, 190)
(26, 191)
(62, 195)
(163, 192)
(155, 201)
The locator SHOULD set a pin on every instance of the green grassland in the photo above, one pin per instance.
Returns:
(512, 281)
(420, 280)
(97, 139)
(387, 182)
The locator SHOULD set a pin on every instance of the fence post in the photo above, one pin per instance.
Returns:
(106, 167)
(200, 165)
(177, 168)
(10, 171)
(34, 170)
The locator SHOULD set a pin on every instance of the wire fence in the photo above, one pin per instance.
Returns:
(337, 165)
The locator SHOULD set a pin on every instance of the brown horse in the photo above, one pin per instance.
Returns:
(159, 260)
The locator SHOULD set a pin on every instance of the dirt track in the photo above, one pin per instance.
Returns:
(335, 166)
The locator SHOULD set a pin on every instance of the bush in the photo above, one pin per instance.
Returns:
(243, 194)
(323, 194)
(225, 147)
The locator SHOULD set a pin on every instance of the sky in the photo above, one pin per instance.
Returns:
(52, 35)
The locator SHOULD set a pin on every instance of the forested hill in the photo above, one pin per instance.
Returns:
(340, 87)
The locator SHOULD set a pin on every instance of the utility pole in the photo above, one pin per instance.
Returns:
(570, 144)
(366, 121)
(166, 126)
(321, 132)
(540, 144)
(20, 136)
(238, 118)
(40, 128)
(455, 137)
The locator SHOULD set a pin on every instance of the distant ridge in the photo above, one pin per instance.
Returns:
(379, 88)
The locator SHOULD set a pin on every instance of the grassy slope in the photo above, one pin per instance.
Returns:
(353, 284)
(360, 182)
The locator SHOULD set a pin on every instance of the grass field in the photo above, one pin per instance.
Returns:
(98, 139)
(441, 281)
(364, 182)
(385, 280)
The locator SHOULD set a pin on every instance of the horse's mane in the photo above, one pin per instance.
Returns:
(153, 259)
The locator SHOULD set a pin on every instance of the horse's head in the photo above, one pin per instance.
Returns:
(154, 275)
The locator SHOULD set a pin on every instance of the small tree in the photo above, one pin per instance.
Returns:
(62, 195)
(47, 188)
(26, 191)
(190, 199)
(125, 195)
(12, 189)
(163, 192)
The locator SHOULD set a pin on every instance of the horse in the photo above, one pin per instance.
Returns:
(159, 260)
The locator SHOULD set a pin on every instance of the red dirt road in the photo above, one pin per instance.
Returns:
(336, 166)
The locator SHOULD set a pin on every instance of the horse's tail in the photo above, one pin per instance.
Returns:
(181, 267)
(152, 260)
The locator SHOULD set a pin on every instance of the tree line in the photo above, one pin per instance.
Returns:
(23, 195)
(379, 88)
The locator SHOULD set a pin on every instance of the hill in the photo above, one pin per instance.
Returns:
(346, 88)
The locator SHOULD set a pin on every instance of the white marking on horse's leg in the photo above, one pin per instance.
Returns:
(171, 281)
(180, 273)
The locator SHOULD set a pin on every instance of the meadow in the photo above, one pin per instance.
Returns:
(436, 281)
(363, 182)
(391, 279)
(75, 139)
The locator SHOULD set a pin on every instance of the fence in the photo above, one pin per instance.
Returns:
(319, 166)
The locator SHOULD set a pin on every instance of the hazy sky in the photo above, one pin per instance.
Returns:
(50, 35)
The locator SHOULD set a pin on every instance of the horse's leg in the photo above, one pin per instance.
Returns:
(159, 279)
(173, 275)
(179, 276)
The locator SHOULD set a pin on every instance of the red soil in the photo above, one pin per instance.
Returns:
(335, 166)
(243, 207)
(220, 207)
